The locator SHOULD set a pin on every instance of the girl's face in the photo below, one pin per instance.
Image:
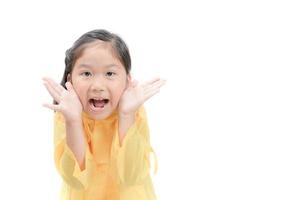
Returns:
(99, 79)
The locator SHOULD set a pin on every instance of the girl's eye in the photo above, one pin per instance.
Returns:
(110, 73)
(86, 74)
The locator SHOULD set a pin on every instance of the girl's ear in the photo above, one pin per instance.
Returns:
(69, 78)
(129, 78)
(128, 81)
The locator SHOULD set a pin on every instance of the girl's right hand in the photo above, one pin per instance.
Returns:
(68, 102)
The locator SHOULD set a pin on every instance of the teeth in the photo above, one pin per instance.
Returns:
(98, 99)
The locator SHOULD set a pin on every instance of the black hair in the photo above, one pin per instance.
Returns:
(72, 54)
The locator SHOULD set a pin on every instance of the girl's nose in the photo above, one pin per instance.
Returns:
(98, 85)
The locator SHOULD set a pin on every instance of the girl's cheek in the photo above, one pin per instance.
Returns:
(117, 97)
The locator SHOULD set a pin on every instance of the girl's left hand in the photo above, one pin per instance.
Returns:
(136, 94)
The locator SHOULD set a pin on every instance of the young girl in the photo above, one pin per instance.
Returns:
(101, 135)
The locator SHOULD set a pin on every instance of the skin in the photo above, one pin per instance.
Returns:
(98, 73)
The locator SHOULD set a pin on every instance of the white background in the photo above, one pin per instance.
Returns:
(226, 124)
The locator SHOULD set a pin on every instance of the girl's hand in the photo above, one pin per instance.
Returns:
(135, 95)
(68, 102)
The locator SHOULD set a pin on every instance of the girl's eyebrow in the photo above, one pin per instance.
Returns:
(112, 65)
(83, 65)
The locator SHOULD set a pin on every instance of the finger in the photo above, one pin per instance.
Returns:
(155, 85)
(150, 94)
(51, 106)
(59, 88)
(147, 83)
(52, 92)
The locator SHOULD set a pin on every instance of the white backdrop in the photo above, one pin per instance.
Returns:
(226, 124)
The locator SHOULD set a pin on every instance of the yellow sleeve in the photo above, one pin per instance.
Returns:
(132, 158)
(65, 161)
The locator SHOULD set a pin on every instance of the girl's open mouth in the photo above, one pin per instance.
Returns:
(98, 104)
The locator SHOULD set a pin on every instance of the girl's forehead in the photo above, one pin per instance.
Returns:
(97, 49)
(98, 45)
(99, 53)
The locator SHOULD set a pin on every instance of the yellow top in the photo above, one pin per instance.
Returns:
(112, 172)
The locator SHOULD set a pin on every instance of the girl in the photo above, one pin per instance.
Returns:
(101, 136)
